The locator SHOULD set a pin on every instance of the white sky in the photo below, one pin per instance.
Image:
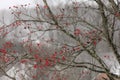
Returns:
(5, 4)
